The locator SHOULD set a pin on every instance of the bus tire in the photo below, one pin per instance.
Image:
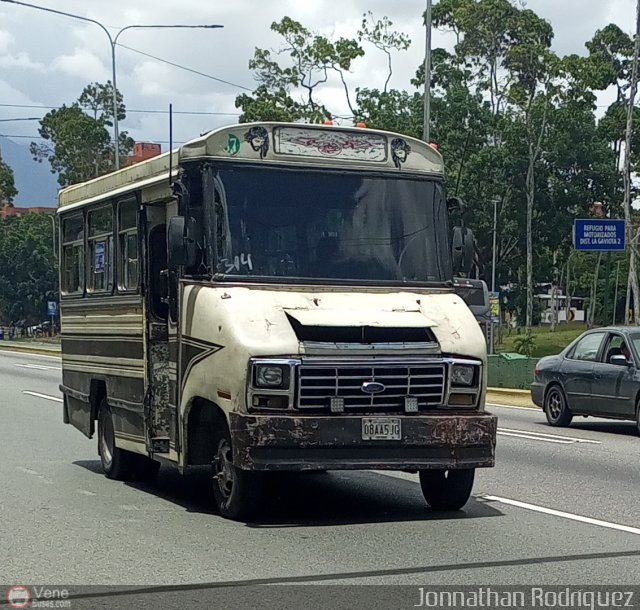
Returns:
(447, 490)
(237, 492)
(116, 463)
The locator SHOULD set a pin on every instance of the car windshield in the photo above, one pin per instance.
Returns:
(324, 225)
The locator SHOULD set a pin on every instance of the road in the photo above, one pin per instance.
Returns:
(64, 522)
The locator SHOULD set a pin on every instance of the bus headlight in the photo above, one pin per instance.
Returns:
(462, 375)
(274, 376)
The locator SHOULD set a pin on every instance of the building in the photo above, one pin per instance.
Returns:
(143, 151)
(8, 209)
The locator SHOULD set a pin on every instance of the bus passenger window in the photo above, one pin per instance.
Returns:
(128, 256)
(100, 250)
(73, 255)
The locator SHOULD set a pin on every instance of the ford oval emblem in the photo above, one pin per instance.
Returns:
(372, 387)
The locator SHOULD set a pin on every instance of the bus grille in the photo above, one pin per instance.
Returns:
(318, 383)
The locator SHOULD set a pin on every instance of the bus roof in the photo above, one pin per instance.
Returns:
(270, 143)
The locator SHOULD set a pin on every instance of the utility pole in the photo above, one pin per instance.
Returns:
(615, 297)
(495, 233)
(426, 131)
(631, 236)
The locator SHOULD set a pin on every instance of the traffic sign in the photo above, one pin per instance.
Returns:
(52, 308)
(599, 235)
(494, 302)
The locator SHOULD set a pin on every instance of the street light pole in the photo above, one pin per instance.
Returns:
(495, 233)
(53, 234)
(426, 131)
(113, 40)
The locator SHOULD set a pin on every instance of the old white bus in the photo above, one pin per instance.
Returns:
(273, 297)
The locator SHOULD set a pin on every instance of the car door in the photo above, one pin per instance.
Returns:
(577, 371)
(607, 388)
(614, 385)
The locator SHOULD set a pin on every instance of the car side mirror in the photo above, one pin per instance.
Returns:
(181, 244)
(619, 360)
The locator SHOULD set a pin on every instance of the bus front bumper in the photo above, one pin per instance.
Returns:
(298, 443)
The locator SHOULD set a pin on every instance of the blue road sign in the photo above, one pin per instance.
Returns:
(52, 308)
(599, 235)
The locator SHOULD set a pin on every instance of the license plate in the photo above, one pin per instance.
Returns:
(381, 429)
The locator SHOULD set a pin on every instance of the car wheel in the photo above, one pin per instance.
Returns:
(237, 492)
(447, 489)
(638, 417)
(116, 463)
(556, 409)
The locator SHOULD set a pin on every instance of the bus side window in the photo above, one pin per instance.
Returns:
(100, 242)
(128, 255)
(73, 255)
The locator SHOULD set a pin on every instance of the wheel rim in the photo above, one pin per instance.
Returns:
(223, 469)
(106, 438)
(554, 405)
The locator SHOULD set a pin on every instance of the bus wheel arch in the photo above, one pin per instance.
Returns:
(203, 418)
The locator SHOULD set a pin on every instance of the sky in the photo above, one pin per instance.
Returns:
(46, 59)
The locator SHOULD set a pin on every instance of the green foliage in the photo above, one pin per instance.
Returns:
(288, 80)
(8, 188)
(77, 142)
(525, 344)
(28, 270)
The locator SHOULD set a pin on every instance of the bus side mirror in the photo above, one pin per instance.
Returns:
(455, 204)
(462, 249)
(181, 244)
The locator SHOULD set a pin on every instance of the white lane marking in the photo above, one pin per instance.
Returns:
(495, 404)
(563, 515)
(36, 474)
(23, 354)
(544, 435)
(536, 438)
(40, 367)
(45, 396)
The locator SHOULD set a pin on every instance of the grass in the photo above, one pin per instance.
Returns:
(546, 343)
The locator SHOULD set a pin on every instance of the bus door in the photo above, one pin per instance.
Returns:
(161, 335)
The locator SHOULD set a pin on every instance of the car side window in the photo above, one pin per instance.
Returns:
(616, 346)
(588, 347)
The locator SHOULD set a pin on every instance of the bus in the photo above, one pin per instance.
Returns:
(273, 297)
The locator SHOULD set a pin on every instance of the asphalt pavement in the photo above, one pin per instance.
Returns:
(559, 508)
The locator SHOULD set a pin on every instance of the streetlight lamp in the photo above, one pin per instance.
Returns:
(113, 40)
(426, 131)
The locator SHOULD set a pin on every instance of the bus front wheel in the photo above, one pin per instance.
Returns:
(447, 490)
(237, 492)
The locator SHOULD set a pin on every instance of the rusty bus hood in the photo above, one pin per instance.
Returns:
(257, 319)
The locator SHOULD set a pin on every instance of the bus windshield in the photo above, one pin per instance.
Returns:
(328, 225)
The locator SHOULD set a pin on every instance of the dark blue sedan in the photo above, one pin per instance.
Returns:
(597, 375)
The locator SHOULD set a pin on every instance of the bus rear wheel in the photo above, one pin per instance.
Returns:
(447, 490)
(116, 463)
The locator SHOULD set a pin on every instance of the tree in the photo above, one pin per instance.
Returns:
(77, 142)
(8, 188)
(290, 79)
(28, 271)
